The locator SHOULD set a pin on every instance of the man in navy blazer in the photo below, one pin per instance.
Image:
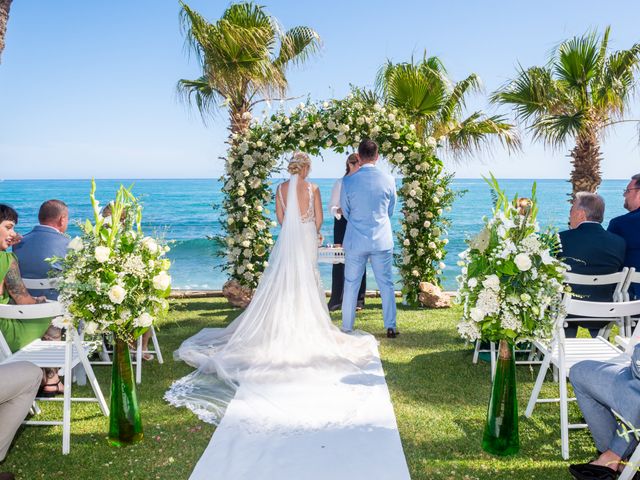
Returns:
(628, 227)
(590, 250)
(46, 240)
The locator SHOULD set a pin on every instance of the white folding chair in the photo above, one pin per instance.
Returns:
(563, 353)
(632, 466)
(632, 277)
(64, 354)
(106, 352)
(41, 283)
(618, 279)
(79, 374)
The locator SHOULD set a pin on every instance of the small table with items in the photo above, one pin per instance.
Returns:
(331, 254)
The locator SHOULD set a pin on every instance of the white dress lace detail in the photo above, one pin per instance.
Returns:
(284, 338)
(309, 216)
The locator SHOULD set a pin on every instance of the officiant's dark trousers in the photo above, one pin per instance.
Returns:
(337, 272)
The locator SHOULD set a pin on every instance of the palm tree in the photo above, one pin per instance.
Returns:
(582, 91)
(5, 5)
(424, 92)
(240, 66)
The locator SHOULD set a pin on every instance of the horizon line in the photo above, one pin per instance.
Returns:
(218, 178)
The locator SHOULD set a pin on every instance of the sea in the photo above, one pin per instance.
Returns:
(187, 213)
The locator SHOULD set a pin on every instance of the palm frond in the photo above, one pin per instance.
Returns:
(366, 96)
(297, 45)
(556, 130)
(200, 93)
(577, 62)
(532, 93)
(618, 81)
(195, 29)
(602, 53)
(457, 101)
(478, 131)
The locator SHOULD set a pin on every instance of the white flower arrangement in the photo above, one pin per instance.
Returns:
(114, 278)
(511, 284)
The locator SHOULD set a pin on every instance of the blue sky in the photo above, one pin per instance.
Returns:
(88, 88)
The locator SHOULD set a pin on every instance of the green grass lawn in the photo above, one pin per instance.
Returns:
(439, 397)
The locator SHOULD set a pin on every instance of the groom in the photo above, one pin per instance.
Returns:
(368, 198)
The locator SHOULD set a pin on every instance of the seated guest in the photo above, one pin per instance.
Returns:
(600, 388)
(19, 333)
(20, 382)
(590, 250)
(339, 229)
(46, 240)
(628, 226)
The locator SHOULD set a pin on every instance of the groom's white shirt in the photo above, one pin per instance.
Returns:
(368, 199)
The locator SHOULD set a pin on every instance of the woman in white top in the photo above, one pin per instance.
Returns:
(339, 228)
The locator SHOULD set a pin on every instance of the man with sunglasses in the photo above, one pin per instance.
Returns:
(628, 227)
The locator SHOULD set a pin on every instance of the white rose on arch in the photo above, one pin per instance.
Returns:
(477, 314)
(162, 281)
(492, 282)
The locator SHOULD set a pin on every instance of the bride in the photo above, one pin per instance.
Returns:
(285, 336)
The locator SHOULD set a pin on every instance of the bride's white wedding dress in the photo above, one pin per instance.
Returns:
(283, 342)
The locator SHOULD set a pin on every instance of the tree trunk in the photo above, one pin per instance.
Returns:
(236, 294)
(239, 124)
(586, 158)
(5, 5)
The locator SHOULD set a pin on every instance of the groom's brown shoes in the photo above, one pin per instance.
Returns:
(392, 333)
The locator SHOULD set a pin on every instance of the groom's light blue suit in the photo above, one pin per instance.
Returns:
(367, 199)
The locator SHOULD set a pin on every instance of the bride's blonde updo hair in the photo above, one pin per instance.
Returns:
(298, 162)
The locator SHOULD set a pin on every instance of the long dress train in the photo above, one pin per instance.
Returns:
(284, 338)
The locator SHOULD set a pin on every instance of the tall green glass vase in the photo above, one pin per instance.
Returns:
(125, 424)
(501, 430)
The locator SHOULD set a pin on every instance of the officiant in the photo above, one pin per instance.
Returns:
(339, 228)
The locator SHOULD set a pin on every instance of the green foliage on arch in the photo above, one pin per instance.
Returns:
(337, 125)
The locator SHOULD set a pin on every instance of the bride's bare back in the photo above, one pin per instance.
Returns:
(307, 193)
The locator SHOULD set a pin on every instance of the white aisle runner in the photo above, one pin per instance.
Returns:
(368, 449)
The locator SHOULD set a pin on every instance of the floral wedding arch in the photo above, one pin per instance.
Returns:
(339, 125)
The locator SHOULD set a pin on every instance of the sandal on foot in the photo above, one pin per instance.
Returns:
(51, 393)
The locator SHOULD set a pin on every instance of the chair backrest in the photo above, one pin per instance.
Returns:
(29, 312)
(618, 278)
(586, 309)
(41, 283)
(26, 312)
(602, 309)
(632, 277)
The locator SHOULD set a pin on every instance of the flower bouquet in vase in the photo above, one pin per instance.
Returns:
(114, 279)
(510, 289)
